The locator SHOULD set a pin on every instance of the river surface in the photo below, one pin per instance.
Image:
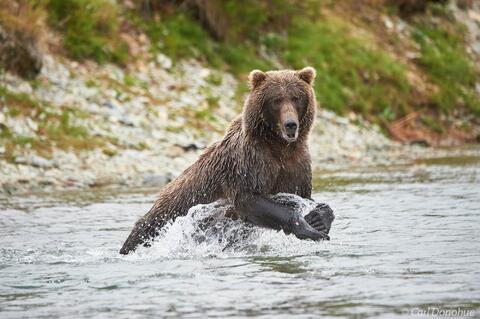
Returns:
(406, 240)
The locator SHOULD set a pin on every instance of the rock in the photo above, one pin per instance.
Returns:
(475, 16)
(125, 120)
(420, 142)
(31, 124)
(175, 151)
(190, 147)
(23, 180)
(388, 22)
(155, 179)
(401, 25)
(412, 55)
(352, 116)
(113, 106)
(37, 161)
(164, 61)
(21, 160)
(48, 182)
(9, 188)
(117, 114)
(106, 179)
(342, 120)
(70, 182)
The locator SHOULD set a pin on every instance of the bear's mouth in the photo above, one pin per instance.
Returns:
(290, 137)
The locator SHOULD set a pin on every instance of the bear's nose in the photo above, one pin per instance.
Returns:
(291, 126)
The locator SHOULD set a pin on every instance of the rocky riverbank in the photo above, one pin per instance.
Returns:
(144, 126)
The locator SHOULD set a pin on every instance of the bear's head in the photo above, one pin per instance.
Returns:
(281, 105)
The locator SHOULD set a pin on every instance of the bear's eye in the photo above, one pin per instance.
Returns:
(299, 101)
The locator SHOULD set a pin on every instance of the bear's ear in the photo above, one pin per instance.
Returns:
(307, 74)
(255, 78)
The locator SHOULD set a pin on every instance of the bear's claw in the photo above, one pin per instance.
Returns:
(321, 218)
(302, 230)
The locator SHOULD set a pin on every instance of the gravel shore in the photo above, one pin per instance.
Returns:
(160, 116)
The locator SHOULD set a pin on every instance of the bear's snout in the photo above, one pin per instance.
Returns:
(291, 128)
(289, 122)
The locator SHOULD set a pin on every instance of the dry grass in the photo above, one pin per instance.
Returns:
(22, 17)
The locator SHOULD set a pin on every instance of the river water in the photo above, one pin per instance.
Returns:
(405, 243)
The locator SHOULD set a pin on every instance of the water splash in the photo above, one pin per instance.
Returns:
(205, 232)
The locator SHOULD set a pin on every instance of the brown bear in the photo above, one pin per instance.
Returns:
(264, 152)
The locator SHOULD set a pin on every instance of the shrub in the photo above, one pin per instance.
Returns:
(22, 32)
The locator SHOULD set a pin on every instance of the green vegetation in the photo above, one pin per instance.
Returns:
(181, 36)
(351, 75)
(356, 70)
(54, 126)
(18, 103)
(444, 60)
(176, 36)
(90, 29)
(130, 80)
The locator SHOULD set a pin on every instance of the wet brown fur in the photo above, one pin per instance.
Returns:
(252, 158)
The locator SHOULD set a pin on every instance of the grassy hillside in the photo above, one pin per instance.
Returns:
(357, 70)
(364, 64)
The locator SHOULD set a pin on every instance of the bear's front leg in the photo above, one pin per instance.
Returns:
(320, 218)
(262, 211)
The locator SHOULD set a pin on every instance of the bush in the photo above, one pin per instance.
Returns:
(22, 30)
